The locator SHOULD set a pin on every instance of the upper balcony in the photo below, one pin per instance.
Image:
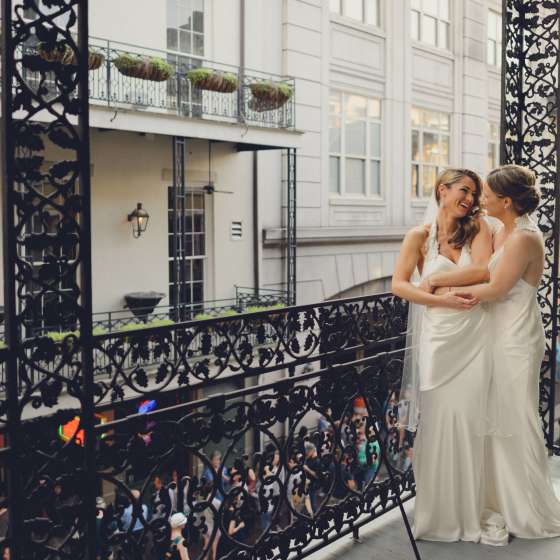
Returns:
(133, 78)
(123, 76)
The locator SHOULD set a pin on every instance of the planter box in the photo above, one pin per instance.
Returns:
(154, 70)
(212, 80)
(268, 96)
(65, 55)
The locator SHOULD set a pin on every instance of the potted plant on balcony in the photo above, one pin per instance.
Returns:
(213, 80)
(153, 69)
(269, 95)
(63, 54)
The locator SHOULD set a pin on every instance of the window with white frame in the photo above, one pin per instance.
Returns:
(185, 26)
(430, 149)
(354, 145)
(366, 11)
(430, 22)
(493, 146)
(494, 39)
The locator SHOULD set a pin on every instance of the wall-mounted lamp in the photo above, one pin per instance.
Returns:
(139, 218)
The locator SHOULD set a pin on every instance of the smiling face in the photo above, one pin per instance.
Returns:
(493, 203)
(460, 197)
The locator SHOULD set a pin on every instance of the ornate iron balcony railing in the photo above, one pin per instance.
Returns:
(177, 95)
(300, 401)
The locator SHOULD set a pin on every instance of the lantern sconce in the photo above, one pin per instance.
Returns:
(139, 218)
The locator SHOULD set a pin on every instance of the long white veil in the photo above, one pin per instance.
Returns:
(409, 399)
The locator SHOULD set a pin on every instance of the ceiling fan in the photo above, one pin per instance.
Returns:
(209, 188)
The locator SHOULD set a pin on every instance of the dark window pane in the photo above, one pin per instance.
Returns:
(198, 223)
(172, 39)
(198, 292)
(188, 248)
(198, 245)
(185, 291)
(198, 268)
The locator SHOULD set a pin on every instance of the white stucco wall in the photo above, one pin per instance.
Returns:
(322, 51)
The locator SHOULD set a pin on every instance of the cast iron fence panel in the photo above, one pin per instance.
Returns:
(287, 509)
(45, 105)
(530, 111)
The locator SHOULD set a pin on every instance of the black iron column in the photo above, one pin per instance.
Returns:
(291, 236)
(529, 135)
(179, 272)
(46, 210)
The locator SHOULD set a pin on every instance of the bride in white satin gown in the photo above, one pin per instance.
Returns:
(453, 361)
(517, 478)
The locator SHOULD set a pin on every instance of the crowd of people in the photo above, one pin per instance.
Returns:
(232, 503)
(227, 501)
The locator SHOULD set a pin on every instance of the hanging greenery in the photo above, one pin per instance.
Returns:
(63, 54)
(153, 69)
(269, 95)
(213, 80)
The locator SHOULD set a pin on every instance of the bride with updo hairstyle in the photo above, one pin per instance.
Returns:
(519, 495)
(519, 184)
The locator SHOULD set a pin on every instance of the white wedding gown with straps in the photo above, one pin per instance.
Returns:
(517, 477)
(454, 362)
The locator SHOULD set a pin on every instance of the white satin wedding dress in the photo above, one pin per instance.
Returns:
(517, 476)
(454, 361)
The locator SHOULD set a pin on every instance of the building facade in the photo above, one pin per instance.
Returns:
(399, 90)
(384, 95)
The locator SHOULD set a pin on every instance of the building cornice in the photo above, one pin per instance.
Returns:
(336, 235)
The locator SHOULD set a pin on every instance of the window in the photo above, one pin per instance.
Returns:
(430, 22)
(185, 26)
(493, 146)
(50, 305)
(186, 249)
(494, 40)
(354, 145)
(366, 11)
(430, 149)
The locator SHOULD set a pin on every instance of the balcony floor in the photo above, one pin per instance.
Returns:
(386, 538)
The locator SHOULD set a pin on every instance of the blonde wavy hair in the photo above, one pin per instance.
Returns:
(468, 226)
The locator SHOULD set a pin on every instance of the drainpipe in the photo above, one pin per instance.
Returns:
(242, 62)
(241, 93)
(256, 240)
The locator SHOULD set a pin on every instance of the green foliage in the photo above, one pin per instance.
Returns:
(272, 88)
(208, 78)
(60, 336)
(127, 61)
(149, 325)
(285, 89)
(203, 317)
(151, 68)
(256, 308)
(199, 74)
(161, 65)
(230, 79)
(215, 315)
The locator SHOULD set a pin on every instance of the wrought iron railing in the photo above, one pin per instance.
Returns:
(124, 321)
(178, 96)
(304, 417)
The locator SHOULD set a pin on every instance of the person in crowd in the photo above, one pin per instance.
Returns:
(312, 469)
(210, 473)
(178, 550)
(235, 523)
(345, 480)
(161, 501)
(270, 489)
(129, 514)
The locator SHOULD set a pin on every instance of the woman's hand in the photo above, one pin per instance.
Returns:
(426, 285)
(457, 300)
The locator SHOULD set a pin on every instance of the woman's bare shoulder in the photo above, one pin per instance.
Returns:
(526, 242)
(416, 237)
